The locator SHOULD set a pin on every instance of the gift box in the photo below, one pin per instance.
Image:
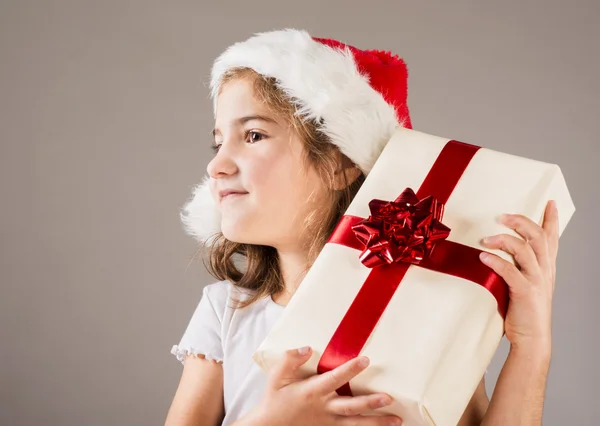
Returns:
(400, 279)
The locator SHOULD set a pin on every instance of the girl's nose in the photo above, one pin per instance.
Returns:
(223, 164)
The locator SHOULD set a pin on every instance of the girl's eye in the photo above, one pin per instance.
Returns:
(252, 136)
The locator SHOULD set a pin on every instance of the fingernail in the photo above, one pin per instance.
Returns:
(553, 204)
(395, 422)
(503, 217)
(486, 240)
(304, 350)
(383, 401)
(484, 256)
(363, 361)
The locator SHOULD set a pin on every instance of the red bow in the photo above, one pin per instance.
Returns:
(403, 230)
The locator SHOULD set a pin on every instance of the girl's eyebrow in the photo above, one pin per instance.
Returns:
(244, 120)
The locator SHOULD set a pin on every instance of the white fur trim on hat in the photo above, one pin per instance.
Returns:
(326, 85)
(200, 216)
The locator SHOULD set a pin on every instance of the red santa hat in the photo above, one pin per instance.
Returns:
(358, 97)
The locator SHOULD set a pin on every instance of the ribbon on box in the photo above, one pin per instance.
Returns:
(397, 234)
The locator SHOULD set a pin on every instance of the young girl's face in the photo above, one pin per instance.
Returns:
(261, 160)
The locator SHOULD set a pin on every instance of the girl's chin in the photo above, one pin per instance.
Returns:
(242, 235)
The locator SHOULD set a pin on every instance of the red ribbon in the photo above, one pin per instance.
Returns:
(397, 234)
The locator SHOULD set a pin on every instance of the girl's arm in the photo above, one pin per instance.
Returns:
(198, 400)
(518, 397)
(473, 415)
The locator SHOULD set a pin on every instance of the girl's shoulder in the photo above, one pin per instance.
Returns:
(211, 321)
(223, 295)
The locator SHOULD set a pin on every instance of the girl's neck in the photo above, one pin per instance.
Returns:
(292, 264)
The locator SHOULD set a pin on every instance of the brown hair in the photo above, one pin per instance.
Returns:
(262, 273)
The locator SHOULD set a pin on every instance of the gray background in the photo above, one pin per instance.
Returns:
(104, 128)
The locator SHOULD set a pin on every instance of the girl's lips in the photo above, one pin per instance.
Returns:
(230, 194)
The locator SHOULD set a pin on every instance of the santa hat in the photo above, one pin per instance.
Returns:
(358, 97)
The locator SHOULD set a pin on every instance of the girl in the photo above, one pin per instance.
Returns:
(299, 122)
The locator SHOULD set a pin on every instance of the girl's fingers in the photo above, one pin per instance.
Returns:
(369, 421)
(355, 405)
(551, 227)
(533, 234)
(286, 371)
(521, 251)
(326, 383)
(509, 272)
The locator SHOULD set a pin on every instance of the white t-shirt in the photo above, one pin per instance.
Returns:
(231, 336)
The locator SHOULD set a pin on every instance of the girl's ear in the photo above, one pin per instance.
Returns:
(346, 173)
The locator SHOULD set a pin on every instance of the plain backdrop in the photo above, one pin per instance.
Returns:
(105, 126)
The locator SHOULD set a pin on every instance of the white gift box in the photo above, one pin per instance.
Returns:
(438, 334)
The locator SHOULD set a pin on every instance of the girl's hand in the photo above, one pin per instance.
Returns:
(531, 282)
(290, 400)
